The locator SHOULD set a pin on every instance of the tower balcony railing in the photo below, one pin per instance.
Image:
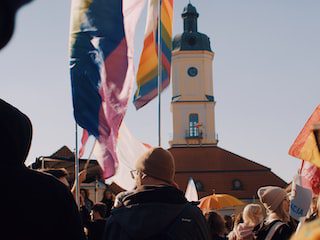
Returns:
(192, 134)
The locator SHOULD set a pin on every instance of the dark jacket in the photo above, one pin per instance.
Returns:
(156, 212)
(34, 205)
(284, 232)
(95, 228)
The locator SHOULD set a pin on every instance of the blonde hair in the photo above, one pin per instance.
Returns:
(252, 214)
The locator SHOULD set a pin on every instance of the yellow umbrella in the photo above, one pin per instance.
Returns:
(218, 201)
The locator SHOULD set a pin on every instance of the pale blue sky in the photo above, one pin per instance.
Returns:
(266, 77)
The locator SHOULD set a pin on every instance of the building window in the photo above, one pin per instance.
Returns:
(193, 125)
(237, 184)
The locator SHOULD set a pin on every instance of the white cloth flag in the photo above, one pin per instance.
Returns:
(129, 149)
(191, 191)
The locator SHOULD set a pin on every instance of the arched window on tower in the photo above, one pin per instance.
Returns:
(193, 125)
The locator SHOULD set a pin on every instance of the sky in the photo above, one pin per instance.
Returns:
(266, 76)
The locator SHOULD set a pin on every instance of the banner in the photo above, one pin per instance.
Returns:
(101, 68)
(305, 146)
(147, 76)
(300, 200)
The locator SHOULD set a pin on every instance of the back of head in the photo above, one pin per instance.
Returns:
(271, 197)
(157, 163)
(8, 9)
(215, 223)
(252, 214)
(16, 131)
(100, 208)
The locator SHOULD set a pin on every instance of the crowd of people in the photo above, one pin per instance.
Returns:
(41, 205)
(155, 209)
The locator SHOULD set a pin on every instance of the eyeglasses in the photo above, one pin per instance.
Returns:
(136, 173)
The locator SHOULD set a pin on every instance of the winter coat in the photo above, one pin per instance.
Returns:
(284, 232)
(34, 205)
(156, 212)
(96, 229)
(218, 237)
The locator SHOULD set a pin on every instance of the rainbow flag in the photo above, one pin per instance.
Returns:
(305, 146)
(101, 67)
(147, 76)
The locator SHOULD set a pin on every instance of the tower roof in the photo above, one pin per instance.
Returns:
(190, 10)
(191, 39)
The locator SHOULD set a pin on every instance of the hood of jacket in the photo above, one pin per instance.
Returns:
(243, 230)
(16, 135)
(149, 211)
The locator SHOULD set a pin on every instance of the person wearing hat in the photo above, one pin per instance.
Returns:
(156, 209)
(276, 225)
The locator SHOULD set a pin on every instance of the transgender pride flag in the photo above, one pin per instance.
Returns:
(101, 66)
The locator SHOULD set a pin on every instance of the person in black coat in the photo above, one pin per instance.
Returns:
(156, 209)
(34, 205)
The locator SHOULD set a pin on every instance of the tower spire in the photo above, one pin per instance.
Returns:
(190, 16)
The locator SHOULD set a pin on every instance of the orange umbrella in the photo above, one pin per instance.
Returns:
(218, 201)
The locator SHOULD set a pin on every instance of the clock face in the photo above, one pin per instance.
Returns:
(192, 71)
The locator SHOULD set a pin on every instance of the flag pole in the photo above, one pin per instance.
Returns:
(76, 167)
(159, 72)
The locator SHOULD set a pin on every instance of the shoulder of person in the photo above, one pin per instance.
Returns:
(263, 230)
(112, 229)
(192, 209)
(285, 229)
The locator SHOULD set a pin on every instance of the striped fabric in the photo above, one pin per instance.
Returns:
(147, 76)
(101, 67)
(305, 146)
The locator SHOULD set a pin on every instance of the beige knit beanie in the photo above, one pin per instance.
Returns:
(157, 163)
(271, 197)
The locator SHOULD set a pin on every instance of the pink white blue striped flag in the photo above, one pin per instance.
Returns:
(101, 66)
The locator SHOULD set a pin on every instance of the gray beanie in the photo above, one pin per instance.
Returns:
(271, 197)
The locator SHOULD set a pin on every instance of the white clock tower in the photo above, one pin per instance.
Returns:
(193, 101)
